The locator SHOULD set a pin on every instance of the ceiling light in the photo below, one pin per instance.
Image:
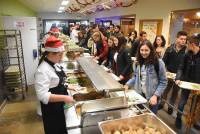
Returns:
(64, 2)
(198, 14)
(61, 8)
(59, 11)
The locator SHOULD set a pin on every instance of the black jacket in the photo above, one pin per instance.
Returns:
(134, 47)
(189, 69)
(123, 66)
(110, 57)
(172, 58)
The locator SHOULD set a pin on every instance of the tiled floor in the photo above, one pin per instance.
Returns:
(21, 118)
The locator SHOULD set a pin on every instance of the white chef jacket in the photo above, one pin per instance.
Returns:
(45, 78)
(74, 35)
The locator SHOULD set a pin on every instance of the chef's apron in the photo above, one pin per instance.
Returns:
(53, 113)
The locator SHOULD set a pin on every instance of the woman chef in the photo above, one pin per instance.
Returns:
(51, 89)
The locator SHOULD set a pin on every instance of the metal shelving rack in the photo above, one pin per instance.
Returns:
(12, 59)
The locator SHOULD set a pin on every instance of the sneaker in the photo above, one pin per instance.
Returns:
(178, 123)
(170, 110)
(196, 126)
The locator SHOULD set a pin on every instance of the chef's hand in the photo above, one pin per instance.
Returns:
(121, 77)
(178, 82)
(153, 100)
(126, 87)
(68, 99)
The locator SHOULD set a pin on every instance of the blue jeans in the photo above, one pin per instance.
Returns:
(154, 108)
(184, 97)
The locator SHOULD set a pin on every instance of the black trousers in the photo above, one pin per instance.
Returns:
(54, 118)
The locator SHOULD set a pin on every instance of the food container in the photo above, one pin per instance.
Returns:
(89, 96)
(142, 123)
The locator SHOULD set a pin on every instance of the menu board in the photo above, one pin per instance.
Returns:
(150, 27)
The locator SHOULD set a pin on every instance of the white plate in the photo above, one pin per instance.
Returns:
(189, 85)
(134, 97)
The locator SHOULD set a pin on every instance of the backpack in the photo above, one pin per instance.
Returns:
(156, 66)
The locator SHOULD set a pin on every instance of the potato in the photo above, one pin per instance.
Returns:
(158, 132)
(140, 131)
(117, 132)
(152, 130)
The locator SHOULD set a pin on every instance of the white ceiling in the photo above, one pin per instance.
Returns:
(42, 5)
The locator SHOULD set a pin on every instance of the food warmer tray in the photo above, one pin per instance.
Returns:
(144, 120)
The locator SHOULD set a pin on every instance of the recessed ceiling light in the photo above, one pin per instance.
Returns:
(59, 11)
(61, 8)
(64, 2)
(198, 14)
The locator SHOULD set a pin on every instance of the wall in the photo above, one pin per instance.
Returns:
(151, 9)
(61, 16)
(11, 8)
(14, 8)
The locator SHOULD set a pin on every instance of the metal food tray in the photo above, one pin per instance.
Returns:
(138, 121)
(99, 77)
(77, 49)
(103, 104)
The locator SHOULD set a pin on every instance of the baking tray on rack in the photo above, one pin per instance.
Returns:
(142, 123)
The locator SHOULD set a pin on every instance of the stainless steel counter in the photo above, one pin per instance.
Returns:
(99, 77)
(89, 124)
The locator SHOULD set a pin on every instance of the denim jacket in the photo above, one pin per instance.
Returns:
(155, 84)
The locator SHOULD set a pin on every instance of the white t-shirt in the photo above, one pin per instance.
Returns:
(115, 56)
(143, 79)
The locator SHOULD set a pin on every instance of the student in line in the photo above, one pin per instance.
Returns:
(149, 78)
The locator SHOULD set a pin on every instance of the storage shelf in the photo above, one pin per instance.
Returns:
(13, 62)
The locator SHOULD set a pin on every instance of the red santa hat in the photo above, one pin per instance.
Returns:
(53, 44)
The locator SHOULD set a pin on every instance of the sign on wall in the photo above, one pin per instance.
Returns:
(18, 24)
(151, 27)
